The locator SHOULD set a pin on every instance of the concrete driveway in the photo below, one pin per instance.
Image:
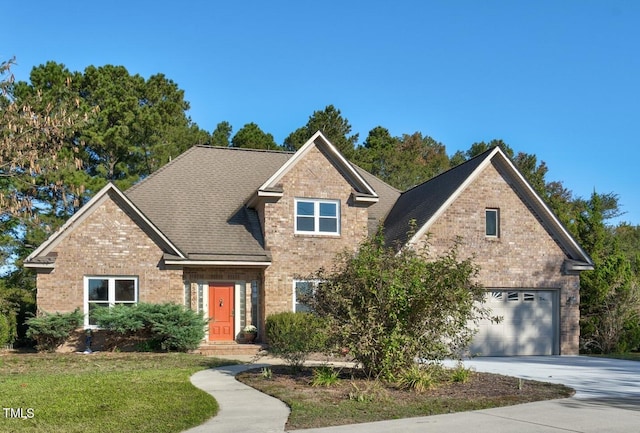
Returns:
(607, 400)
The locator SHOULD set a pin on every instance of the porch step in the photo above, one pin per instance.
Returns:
(231, 348)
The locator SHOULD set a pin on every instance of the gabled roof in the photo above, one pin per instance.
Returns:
(198, 200)
(424, 203)
(364, 191)
(42, 256)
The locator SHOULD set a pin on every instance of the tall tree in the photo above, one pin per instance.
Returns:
(38, 141)
(251, 136)
(221, 134)
(377, 153)
(610, 294)
(331, 123)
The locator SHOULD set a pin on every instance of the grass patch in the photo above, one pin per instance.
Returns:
(631, 356)
(104, 392)
(354, 399)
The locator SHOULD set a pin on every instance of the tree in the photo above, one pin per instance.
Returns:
(252, 137)
(221, 134)
(610, 294)
(331, 123)
(377, 153)
(389, 308)
(36, 142)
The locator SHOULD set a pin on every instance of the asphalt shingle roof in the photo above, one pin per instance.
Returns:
(421, 202)
(198, 200)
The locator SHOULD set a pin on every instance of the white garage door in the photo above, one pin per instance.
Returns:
(529, 324)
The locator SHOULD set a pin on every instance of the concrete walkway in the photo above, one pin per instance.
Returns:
(242, 408)
(607, 400)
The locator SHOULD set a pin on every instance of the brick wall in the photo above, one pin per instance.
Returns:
(301, 255)
(524, 256)
(106, 242)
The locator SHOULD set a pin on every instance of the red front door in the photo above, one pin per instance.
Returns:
(221, 312)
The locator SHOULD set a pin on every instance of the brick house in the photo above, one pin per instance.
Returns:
(231, 232)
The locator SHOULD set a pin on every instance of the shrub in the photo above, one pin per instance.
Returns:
(460, 374)
(325, 376)
(4, 330)
(167, 327)
(390, 307)
(50, 331)
(418, 378)
(294, 336)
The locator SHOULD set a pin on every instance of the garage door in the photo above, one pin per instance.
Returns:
(529, 324)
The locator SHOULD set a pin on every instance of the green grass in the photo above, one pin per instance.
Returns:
(104, 392)
(631, 356)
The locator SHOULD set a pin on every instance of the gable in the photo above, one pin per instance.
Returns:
(93, 220)
(363, 192)
(426, 203)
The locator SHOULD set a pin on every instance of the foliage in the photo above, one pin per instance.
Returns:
(294, 336)
(325, 376)
(35, 143)
(5, 330)
(418, 377)
(168, 327)
(459, 373)
(266, 373)
(50, 331)
(222, 133)
(389, 308)
(331, 123)
(251, 136)
(610, 294)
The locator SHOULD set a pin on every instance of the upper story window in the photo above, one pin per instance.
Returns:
(315, 216)
(492, 223)
(107, 292)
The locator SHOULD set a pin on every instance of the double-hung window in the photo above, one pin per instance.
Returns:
(316, 216)
(107, 292)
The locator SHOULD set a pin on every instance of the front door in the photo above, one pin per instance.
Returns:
(221, 312)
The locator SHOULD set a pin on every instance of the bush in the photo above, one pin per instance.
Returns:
(50, 331)
(4, 330)
(389, 307)
(294, 336)
(419, 377)
(151, 327)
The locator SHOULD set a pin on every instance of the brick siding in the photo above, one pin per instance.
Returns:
(106, 242)
(523, 256)
(300, 255)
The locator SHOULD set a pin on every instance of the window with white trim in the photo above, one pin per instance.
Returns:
(316, 216)
(107, 292)
(303, 289)
(492, 223)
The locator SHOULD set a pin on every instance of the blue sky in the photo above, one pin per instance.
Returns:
(559, 79)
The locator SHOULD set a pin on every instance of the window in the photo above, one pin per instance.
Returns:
(315, 216)
(513, 296)
(492, 226)
(107, 292)
(302, 289)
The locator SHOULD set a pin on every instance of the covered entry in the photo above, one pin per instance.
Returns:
(529, 324)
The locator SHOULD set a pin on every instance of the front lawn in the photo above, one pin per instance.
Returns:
(103, 392)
